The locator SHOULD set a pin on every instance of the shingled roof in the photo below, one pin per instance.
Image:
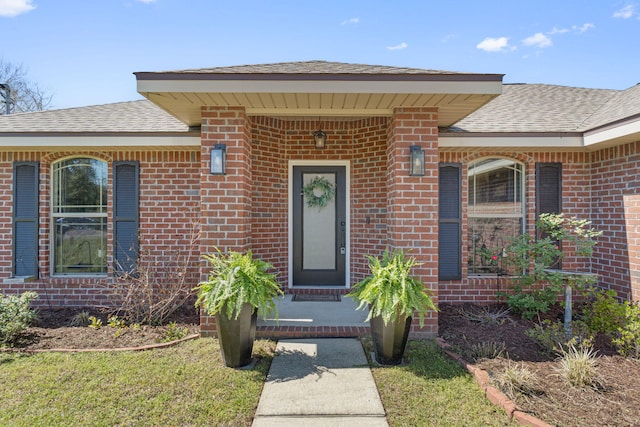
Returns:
(315, 68)
(123, 117)
(538, 108)
(522, 108)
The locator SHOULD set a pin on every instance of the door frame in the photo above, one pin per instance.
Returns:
(347, 170)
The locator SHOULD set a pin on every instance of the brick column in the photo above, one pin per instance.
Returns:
(413, 200)
(225, 217)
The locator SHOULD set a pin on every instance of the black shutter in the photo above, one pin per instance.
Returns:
(548, 188)
(449, 185)
(125, 216)
(25, 219)
(549, 194)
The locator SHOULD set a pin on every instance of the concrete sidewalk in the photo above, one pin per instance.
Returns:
(320, 382)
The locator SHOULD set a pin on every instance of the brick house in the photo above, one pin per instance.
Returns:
(86, 189)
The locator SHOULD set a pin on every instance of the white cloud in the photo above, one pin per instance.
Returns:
(490, 44)
(626, 12)
(584, 28)
(10, 8)
(351, 21)
(558, 31)
(400, 46)
(538, 40)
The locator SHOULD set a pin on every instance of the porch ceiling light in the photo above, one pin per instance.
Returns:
(417, 161)
(219, 159)
(320, 139)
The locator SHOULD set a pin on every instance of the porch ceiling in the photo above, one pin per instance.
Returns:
(313, 89)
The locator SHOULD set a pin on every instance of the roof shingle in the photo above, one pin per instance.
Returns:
(123, 117)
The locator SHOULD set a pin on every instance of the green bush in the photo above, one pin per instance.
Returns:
(605, 314)
(15, 316)
(553, 337)
(535, 287)
(628, 339)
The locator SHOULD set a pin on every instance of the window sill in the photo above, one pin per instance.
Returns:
(18, 280)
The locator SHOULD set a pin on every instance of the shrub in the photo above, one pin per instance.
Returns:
(116, 322)
(517, 379)
(579, 367)
(536, 288)
(487, 350)
(553, 337)
(173, 332)
(628, 339)
(159, 284)
(95, 323)
(605, 314)
(15, 316)
(81, 319)
(486, 315)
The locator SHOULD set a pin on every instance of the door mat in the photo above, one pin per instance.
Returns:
(316, 298)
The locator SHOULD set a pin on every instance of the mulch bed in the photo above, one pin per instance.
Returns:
(54, 330)
(617, 403)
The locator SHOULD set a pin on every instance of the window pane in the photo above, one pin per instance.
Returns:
(79, 216)
(81, 244)
(487, 239)
(80, 186)
(495, 187)
(495, 213)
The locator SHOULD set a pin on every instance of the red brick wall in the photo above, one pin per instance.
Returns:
(616, 211)
(169, 196)
(276, 142)
(412, 201)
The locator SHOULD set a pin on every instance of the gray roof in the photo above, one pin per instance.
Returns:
(621, 105)
(525, 108)
(123, 117)
(312, 67)
(538, 108)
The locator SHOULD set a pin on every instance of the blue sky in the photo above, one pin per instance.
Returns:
(85, 51)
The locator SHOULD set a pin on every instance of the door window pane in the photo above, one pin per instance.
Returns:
(319, 230)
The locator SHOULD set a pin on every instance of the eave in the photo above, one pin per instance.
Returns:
(454, 95)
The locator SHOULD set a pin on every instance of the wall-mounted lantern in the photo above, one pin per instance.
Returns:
(219, 159)
(417, 167)
(320, 139)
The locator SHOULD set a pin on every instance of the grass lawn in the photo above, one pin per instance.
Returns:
(433, 390)
(186, 385)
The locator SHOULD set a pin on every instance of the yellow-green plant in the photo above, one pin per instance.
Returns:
(15, 316)
(628, 339)
(236, 279)
(95, 323)
(579, 367)
(391, 291)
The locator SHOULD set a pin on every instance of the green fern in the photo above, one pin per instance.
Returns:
(237, 279)
(390, 291)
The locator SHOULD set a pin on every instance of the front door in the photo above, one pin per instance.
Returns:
(319, 225)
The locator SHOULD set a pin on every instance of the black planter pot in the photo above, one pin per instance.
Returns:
(236, 336)
(389, 340)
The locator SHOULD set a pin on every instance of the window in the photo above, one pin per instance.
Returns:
(496, 212)
(79, 216)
